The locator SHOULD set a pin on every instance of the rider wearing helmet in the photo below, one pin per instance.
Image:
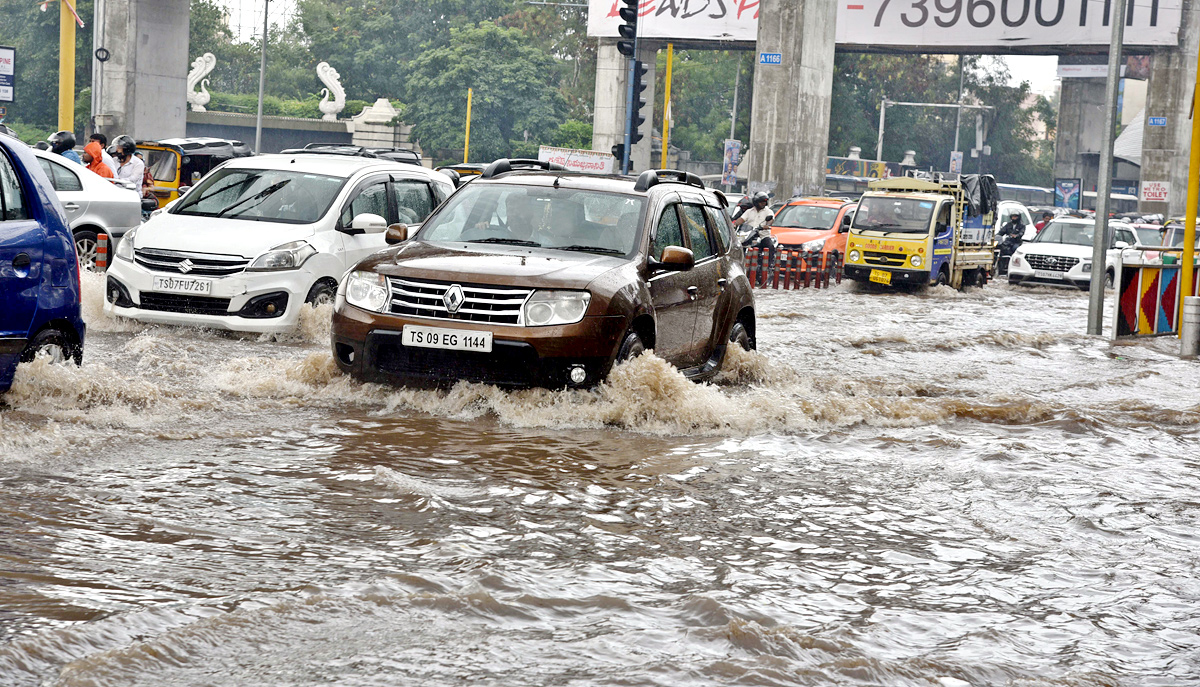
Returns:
(757, 219)
(129, 166)
(63, 143)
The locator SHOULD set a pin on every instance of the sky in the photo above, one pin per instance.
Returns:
(1040, 71)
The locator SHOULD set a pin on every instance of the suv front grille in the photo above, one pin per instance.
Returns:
(1051, 263)
(482, 303)
(191, 305)
(203, 264)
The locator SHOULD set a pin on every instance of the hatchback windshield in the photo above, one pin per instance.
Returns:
(540, 217)
(264, 195)
(904, 215)
(806, 217)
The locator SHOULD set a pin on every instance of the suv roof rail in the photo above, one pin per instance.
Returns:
(352, 151)
(504, 165)
(653, 177)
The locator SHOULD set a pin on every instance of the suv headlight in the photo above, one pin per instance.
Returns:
(289, 256)
(368, 290)
(815, 244)
(125, 246)
(556, 307)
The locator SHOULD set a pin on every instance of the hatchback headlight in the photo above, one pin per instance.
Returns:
(556, 307)
(916, 260)
(125, 246)
(815, 244)
(289, 256)
(368, 290)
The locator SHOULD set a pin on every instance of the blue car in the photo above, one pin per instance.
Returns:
(39, 273)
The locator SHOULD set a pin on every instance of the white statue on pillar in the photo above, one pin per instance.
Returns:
(201, 68)
(333, 96)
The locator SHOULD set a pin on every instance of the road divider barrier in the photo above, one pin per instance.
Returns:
(1146, 298)
(101, 252)
(790, 269)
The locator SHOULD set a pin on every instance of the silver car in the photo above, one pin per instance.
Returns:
(94, 205)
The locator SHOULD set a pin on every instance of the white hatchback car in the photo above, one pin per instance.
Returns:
(259, 237)
(1062, 253)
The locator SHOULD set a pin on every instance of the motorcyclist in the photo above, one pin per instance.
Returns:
(63, 143)
(129, 166)
(757, 220)
(1012, 233)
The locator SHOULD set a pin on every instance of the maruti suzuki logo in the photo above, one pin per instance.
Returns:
(453, 298)
(186, 266)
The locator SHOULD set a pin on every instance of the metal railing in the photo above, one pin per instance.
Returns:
(789, 269)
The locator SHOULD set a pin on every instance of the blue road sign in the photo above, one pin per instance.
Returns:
(1156, 121)
(770, 58)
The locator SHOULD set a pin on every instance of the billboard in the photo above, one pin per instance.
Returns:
(8, 59)
(1067, 193)
(1059, 25)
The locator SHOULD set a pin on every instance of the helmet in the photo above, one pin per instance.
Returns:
(124, 145)
(61, 141)
(745, 203)
(761, 197)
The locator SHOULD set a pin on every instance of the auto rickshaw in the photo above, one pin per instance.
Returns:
(178, 163)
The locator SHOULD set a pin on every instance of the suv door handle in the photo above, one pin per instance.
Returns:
(70, 206)
(692, 290)
(722, 282)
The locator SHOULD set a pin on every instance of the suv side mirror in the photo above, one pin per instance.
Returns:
(396, 233)
(367, 223)
(675, 259)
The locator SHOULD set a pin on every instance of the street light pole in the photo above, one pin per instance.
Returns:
(1104, 182)
(262, 81)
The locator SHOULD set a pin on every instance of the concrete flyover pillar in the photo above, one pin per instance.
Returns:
(1165, 149)
(789, 118)
(144, 83)
(608, 118)
(1080, 128)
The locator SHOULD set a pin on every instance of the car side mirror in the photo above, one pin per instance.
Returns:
(1120, 244)
(396, 233)
(367, 223)
(149, 204)
(676, 259)
(845, 224)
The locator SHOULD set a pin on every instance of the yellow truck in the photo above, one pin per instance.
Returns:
(916, 231)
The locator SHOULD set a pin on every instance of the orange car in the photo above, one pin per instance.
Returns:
(814, 224)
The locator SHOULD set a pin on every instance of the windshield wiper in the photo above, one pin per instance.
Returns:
(260, 197)
(224, 188)
(511, 242)
(591, 249)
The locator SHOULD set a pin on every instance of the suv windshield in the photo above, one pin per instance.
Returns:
(806, 217)
(264, 195)
(904, 215)
(1067, 232)
(539, 216)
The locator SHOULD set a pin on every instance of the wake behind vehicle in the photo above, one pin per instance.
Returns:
(534, 276)
(261, 236)
(39, 273)
(923, 232)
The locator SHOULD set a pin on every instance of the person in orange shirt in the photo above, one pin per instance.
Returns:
(93, 157)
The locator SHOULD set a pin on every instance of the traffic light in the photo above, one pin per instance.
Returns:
(637, 118)
(618, 152)
(628, 28)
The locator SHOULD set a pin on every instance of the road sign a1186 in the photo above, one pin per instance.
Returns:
(8, 59)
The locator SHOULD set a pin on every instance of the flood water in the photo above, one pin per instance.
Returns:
(930, 488)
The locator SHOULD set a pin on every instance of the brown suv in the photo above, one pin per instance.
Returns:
(534, 276)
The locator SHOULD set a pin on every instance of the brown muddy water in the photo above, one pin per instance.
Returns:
(899, 489)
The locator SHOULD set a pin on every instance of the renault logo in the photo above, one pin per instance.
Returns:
(453, 298)
(186, 266)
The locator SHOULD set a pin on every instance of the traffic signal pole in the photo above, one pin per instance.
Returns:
(627, 151)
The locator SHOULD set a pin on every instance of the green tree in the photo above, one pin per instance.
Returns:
(702, 90)
(291, 69)
(34, 34)
(515, 92)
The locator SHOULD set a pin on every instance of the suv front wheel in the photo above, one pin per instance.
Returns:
(631, 347)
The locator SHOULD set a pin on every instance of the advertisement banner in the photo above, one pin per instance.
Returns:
(8, 59)
(733, 155)
(1062, 25)
(856, 167)
(588, 161)
(1067, 193)
(1155, 191)
(956, 160)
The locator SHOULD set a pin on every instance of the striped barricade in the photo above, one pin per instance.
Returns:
(790, 269)
(1146, 299)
